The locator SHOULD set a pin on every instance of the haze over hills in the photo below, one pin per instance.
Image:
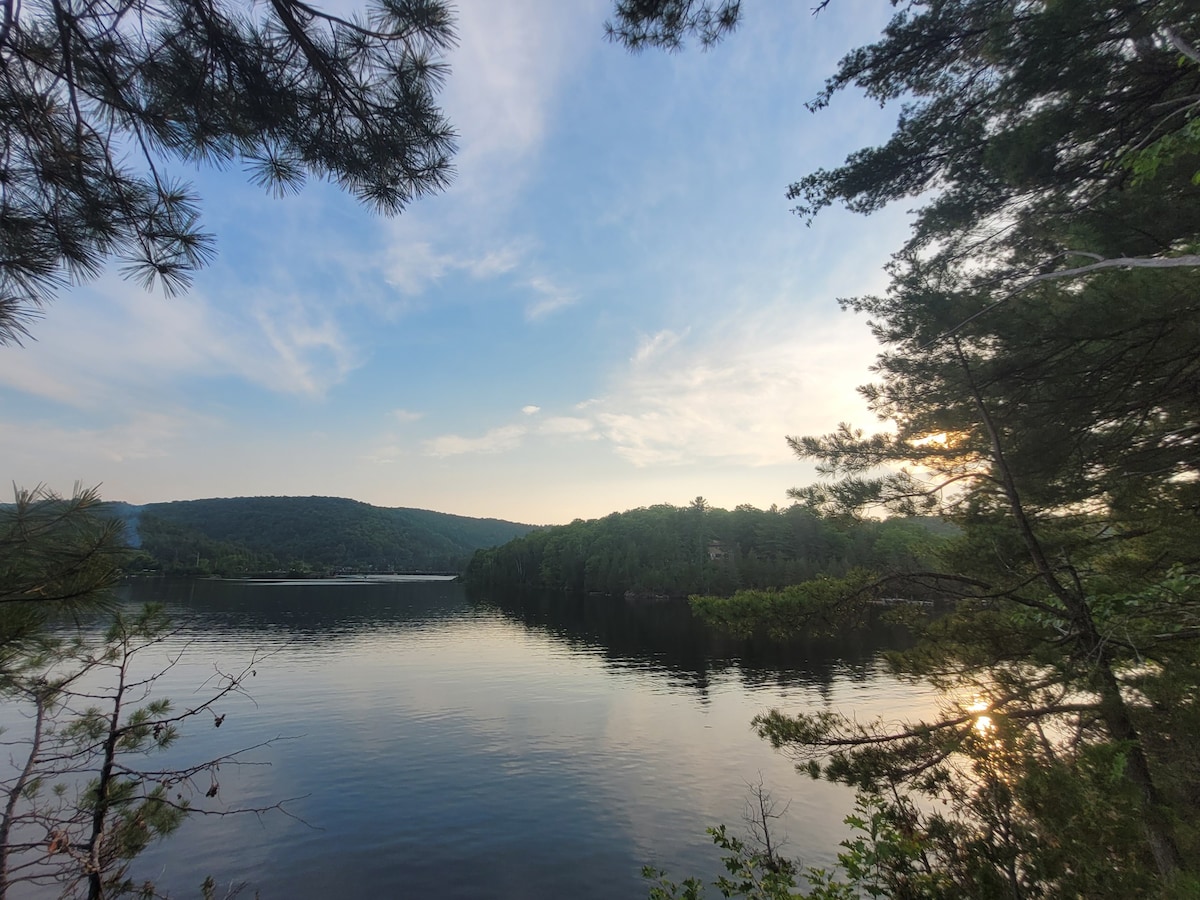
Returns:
(301, 535)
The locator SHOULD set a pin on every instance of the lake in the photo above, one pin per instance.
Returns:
(438, 744)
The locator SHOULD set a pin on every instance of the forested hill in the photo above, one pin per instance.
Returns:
(699, 549)
(301, 535)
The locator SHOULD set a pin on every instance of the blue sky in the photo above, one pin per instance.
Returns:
(611, 307)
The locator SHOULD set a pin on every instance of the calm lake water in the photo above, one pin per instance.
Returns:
(437, 744)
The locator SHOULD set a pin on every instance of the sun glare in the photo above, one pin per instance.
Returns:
(941, 439)
(983, 724)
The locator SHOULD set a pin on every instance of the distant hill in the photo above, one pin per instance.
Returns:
(300, 535)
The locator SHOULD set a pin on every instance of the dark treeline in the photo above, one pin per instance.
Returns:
(698, 549)
(303, 536)
(668, 638)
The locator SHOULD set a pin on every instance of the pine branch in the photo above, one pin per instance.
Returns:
(1187, 260)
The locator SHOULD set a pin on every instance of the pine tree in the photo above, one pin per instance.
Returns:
(96, 100)
(1040, 377)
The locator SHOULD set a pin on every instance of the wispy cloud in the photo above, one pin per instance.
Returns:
(566, 425)
(728, 394)
(510, 69)
(311, 352)
(550, 298)
(735, 391)
(412, 267)
(277, 343)
(406, 416)
(514, 435)
(497, 440)
(384, 454)
(32, 448)
(658, 343)
(496, 261)
(508, 72)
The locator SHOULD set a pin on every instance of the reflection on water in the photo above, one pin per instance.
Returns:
(507, 747)
(663, 635)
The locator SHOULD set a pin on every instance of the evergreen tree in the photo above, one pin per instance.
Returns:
(58, 557)
(665, 23)
(1041, 377)
(96, 100)
(79, 797)
(1054, 405)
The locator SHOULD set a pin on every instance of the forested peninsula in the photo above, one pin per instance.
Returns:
(300, 536)
(698, 549)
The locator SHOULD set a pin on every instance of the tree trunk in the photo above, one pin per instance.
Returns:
(19, 788)
(1114, 710)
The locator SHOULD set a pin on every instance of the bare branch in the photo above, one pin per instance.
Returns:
(1187, 260)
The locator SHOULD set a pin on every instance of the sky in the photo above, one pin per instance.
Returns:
(612, 305)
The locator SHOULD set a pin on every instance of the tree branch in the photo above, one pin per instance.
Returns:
(1187, 260)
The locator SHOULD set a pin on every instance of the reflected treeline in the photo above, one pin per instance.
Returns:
(312, 611)
(664, 635)
(656, 636)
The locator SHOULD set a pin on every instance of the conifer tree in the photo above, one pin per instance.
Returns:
(97, 100)
(80, 795)
(1040, 377)
(57, 557)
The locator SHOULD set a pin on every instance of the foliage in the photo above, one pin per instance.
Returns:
(1040, 378)
(1177, 139)
(665, 23)
(1053, 411)
(81, 799)
(57, 557)
(305, 535)
(97, 99)
(1002, 829)
(175, 549)
(682, 550)
(79, 796)
(882, 845)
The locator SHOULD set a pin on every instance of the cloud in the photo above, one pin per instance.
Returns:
(500, 439)
(27, 374)
(509, 69)
(406, 416)
(412, 267)
(311, 353)
(33, 448)
(566, 425)
(733, 393)
(275, 342)
(384, 454)
(727, 392)
(495, 262)
(661, 342)
(511, 66)
(497, 440)
(552, 298)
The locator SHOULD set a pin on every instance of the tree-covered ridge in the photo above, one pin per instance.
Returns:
(676, 550)
(300, 535)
